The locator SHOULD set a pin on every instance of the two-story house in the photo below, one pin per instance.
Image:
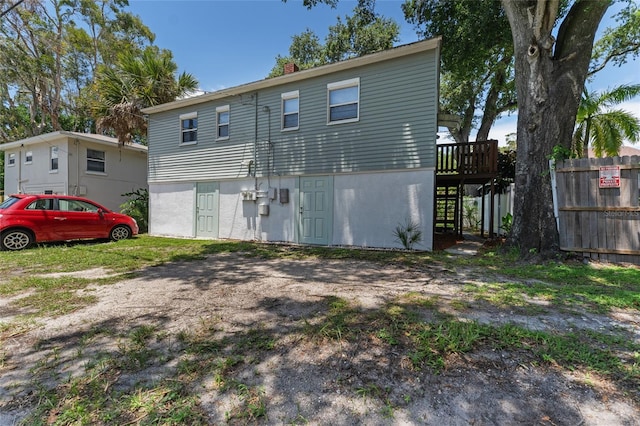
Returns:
(71, 163)
(337, 155)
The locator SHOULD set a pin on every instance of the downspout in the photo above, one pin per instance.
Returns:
(77, 190)
(255, 145)
(20, 170)
(255, 158)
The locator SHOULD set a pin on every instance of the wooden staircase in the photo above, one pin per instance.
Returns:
(448, 208)
(459, 164)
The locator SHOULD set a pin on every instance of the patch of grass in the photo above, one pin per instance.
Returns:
(255, 339)
(370, 390)
(340, 321)
(434, 342)
(252, 404)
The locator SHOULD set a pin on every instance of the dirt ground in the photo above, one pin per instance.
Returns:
(336, 382)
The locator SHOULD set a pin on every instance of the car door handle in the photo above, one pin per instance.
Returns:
(60, 218)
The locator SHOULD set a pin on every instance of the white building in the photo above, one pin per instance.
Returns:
(87, 165)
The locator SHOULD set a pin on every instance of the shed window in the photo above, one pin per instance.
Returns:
(95, 161)
(189, 128)
(290, 110)
(54, 158)
(344, 101)
(28, 157)
(11, 160)
(222, 122)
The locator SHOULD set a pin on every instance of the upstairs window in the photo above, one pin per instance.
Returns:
(290, 110)
(54, 158)
(222, 122)
(28, 157)
(11, 160)
(344, 101)
(95, 161)
(189, 128)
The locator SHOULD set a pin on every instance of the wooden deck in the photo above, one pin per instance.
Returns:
(473, 162)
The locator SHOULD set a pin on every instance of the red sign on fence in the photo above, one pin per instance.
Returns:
(609, 177)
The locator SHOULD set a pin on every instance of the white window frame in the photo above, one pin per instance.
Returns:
(53, 155)
(28, 157)
(353, 82)
(94, 160)
(183, 118)
(11, 160)
(221, 110)
(286, 97)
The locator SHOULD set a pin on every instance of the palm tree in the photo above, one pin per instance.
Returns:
(602, 126)
(137, 82)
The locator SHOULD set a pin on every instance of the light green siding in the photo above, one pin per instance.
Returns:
(396, 130)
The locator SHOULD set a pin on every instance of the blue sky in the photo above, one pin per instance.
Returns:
(226, 43)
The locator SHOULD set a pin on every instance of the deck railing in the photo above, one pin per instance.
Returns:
(473, 158)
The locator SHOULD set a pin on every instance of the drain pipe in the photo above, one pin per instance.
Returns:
(255, 144)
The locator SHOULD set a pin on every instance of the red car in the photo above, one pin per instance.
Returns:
(27, 219)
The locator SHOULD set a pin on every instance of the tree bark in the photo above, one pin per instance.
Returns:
(549, 85)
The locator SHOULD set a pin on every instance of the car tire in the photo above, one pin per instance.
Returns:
(120, 232)
(16, 239)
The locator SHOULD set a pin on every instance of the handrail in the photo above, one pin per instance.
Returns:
(471, 158)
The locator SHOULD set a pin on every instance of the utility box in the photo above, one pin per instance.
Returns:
(263, 209)
(284, 195)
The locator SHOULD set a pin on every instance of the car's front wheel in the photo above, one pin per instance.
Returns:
(120, 232)
(16, 239)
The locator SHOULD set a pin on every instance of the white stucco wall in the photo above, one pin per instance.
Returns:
(368, 207)
(171, 209)
(240, 219)
(125, 171)
(36, 177)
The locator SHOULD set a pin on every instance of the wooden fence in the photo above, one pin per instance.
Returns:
(598, 207)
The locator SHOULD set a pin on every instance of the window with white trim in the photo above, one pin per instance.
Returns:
(290, 110)
(222, 122)
(343, 100)
(189, 128)
(95, 161)
(54, 158)
(11, 160)
(28, 157)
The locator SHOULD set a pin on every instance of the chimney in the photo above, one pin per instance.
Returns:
(290, 68)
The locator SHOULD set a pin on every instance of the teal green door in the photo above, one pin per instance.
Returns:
(207, 199)
(316, 210)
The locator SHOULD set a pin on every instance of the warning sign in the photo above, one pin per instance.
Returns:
(609, 177)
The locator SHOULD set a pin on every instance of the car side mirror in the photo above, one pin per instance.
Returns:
(101, 212)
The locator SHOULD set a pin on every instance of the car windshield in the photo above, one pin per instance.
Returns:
(8, 202)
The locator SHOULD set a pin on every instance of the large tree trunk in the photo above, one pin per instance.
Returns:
(549, 84)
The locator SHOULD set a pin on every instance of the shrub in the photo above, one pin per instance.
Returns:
(137, 206)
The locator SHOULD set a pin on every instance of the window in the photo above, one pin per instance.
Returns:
(11, 160)
(95, 161)
(290, 110)
(344, 101)
(54, 158)
(189, 128)
(222, 122)
(28, 157)
(42, 204)
(76, 206)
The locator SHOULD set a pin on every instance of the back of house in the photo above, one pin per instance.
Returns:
(338, 155)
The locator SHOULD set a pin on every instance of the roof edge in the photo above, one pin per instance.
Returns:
(62, 134)
(395, 52)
